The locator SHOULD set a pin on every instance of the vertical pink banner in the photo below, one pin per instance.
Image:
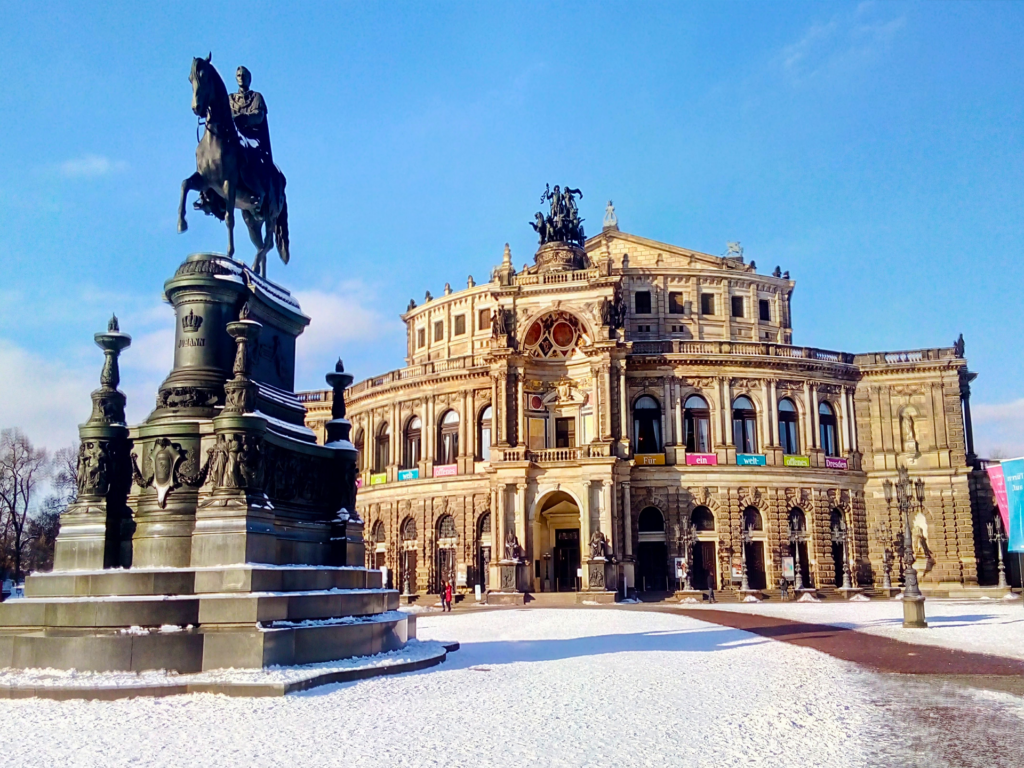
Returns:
(995, 476)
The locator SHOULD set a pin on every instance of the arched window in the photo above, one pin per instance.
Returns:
(752, 519)
(697, 424)
(379, 533)
(484, 526)
(448, 438)
(484, 435)
(409, 529)
(646, 425)
(446, 527)
(788, 432)
(827, 427)
(744, 425)
(650, 521)
(360, 455)
(411, 443)
(382, 452)
(702, 519)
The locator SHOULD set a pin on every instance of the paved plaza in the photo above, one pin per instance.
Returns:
(570, 687)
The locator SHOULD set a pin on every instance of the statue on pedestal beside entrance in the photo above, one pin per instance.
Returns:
(512, 549)
(598, 545)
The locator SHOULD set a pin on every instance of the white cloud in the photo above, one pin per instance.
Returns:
(998, 428)
(90, 166)
(845, 42)
(340, 318)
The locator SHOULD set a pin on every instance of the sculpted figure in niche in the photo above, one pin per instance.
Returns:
(908, 433)
(598, 545)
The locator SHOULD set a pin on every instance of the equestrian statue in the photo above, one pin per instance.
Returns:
(234, 164)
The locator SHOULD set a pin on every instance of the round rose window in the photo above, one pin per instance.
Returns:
(562, 334)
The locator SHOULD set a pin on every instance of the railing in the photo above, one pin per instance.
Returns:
(746, 348)
(907, 356)
(422, 369)
(319, 396)
(553, 454)
(557, 278)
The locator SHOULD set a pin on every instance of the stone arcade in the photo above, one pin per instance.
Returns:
(217, 533)
(625, 411)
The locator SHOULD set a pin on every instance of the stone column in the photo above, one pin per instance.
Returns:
(521, 516)
(847, 442)
(965, 400)
(520, 408)
(766, 417)
(808, 436)
(727, 410)
(814, 417)
(585, 532)
(606, 513)
(623, 410)
(854, 442)
(627, 521)
(668, 437)
(677, 407)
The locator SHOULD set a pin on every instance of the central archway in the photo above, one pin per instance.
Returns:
(651, 551)
(557, 538)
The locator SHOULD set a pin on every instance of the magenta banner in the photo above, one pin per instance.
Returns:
(834, 462)
(704, 459)
(995, 476)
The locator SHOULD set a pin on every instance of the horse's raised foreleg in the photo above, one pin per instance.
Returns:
(192, 183)
(230, 190)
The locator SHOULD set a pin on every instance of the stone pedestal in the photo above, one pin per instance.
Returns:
(600, 575)
(239, 516)
(848, 592)
(913, 613)
(512, 584)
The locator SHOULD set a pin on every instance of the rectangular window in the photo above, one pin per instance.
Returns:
(460, 325)
(421, 338)
(676, 305)
(537, 434)
(765, 310)
(707, 303)
(642, 300)
(565, 433)
(439, 330)
(483, 320)
(737, 306)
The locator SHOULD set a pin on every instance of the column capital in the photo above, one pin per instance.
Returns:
(625, 485)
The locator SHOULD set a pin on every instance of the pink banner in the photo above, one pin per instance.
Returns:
(705, 459)
(995, 476)
(446, 470)
(832, 462)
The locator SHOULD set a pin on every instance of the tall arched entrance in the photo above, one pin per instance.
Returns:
(651, 551)
(483, 551)
(704, 571)
(558, 539)
(754, 548)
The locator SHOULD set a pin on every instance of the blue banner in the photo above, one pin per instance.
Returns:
(408, 474)
(750, 460)
(1013, 474)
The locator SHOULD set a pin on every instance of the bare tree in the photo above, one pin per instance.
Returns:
(22, 468)
(44, 524)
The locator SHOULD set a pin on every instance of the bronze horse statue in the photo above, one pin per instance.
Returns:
(230, 174)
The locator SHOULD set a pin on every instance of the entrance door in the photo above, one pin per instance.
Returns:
(755, 565)
(567, 558)
(704, 564)
(805, 565)
(652, 566)
(445, 567)
(837, 558)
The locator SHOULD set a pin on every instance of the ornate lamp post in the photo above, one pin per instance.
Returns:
(998, 537)
(840, 536)
(746, 537)
(795, 537)
(686, 538)
(907, 493)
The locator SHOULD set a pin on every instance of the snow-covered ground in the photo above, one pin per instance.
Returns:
(981, 626)
(550, 688)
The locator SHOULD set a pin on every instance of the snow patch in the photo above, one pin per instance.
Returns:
(807, 597)
(860, 599)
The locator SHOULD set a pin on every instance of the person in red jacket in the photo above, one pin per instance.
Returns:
(448, 596)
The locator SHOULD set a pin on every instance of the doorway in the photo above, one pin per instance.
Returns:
(566, 558)
(704, 565)
(756, 576)
(651, 552)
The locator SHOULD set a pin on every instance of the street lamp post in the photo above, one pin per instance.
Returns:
(906, 495)
(746, 538)
(795, 538)
(839, 536)
(998, 537)
(886, 570)
(686, 539)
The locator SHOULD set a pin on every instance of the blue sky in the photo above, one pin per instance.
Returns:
(875, 150)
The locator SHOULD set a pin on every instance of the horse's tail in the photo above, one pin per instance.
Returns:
(281, 232)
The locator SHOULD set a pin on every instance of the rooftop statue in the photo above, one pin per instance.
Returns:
(563, 223)
(234, 164)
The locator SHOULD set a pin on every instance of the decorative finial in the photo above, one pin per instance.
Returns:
(243, 314)
(427, 298)
(339, 367)
(958, 346)
(112, 326)
(785, 275)
(412, 305)
(753, 265)
(777, 272)
(447, 289)
(506, 257)
(470, 282)
(611, 221)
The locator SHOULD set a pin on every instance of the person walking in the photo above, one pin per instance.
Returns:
(711, 587)
(448, 596)
(784, 588)
(441, 592)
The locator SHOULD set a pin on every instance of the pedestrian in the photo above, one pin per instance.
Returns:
(711, 587)
(448, 596)
(441, 592)
(784, 588)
